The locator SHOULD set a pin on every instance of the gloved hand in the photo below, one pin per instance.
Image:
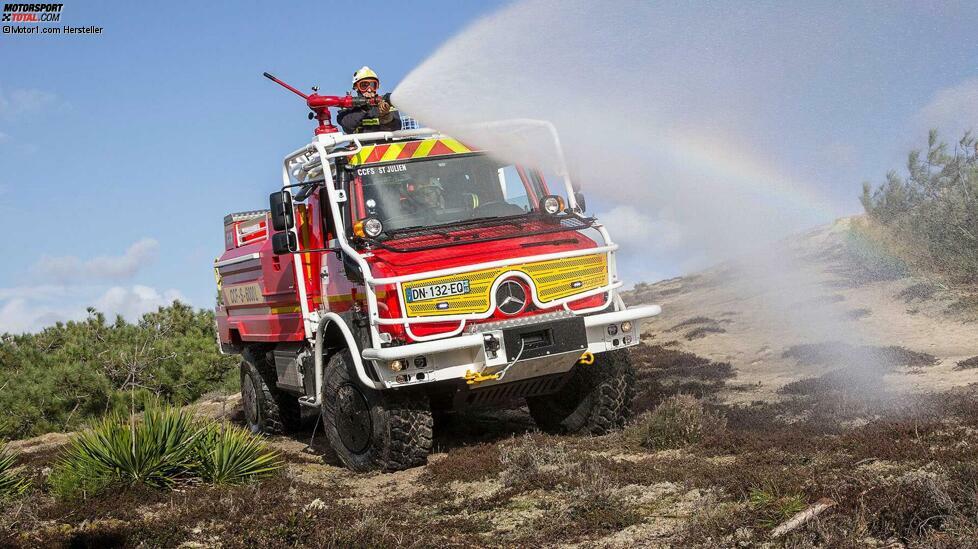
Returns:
(384, 107)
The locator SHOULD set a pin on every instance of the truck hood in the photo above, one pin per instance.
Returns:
(450, 249)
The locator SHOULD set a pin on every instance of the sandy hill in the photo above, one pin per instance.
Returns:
(835, 302)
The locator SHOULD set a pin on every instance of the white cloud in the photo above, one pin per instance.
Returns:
(952, 110)
(64, 287)
(135, 301)
(31, 308)
(23, 101)
(72, 269)
(637, 231)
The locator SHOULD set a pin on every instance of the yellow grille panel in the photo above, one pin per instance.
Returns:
(553, 279)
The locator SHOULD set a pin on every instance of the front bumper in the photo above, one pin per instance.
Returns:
(464, 355)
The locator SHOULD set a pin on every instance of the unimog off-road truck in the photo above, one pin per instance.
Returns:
(397, 274)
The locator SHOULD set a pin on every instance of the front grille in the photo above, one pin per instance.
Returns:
(553, 279)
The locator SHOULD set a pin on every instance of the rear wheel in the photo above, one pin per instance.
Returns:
(267, 409)
(371, 429)
(596, 400)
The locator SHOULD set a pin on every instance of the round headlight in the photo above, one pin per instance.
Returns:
(372, 227)
(552, 204)
(397, 365)
(626, 326)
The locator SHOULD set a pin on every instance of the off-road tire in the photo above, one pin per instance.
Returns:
(276, 412)
(386, 430)
(596, 400)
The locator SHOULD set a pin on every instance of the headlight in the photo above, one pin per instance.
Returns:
(552, 205)
(371, 227)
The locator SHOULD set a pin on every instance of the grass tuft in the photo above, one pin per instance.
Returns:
(228, 454)
(11, 483)
(167, 446)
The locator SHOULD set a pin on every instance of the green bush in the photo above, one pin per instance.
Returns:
(11, 483)
(933, 211)
(156, 450)
(70, 373)
(165, 447)
(227, 454)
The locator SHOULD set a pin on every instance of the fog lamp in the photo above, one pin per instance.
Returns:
(612, 329)
(626, 326)
(397, 365)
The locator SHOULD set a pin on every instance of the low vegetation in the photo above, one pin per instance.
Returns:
(164, 448)
(71, 373)
(688, 472)
(679, 421)
(12, 484)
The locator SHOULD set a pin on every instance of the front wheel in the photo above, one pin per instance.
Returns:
(371, 429)
(596, 400)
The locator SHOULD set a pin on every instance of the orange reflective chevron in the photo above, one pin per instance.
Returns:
(371, 154)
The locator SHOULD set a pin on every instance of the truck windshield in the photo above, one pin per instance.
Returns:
(444, 190)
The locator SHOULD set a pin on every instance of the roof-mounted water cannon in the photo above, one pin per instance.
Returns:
(320, 104)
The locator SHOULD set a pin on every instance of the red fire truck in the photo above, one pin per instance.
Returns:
(401, 273)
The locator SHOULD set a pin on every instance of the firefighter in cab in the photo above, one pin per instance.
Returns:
(378, 116)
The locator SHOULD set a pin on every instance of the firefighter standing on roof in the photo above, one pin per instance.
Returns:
(370, 118)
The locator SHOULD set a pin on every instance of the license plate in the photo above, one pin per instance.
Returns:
(243, 294)
(437, 291)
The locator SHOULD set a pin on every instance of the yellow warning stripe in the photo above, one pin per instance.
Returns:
(424, 148)
(394, 151)
(455, 145)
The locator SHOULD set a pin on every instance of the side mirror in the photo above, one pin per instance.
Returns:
(284, 243)
(581, 203)
(283, 215)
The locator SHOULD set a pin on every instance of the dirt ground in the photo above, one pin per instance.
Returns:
(871, 415)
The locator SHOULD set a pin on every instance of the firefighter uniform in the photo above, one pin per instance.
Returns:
(368, 118)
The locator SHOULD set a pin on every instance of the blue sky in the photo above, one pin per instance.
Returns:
(121, 153)
(159, 127)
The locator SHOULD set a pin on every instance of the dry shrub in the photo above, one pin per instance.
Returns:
(464, 464)
(967, 364)
(678, 421)
(911, 504)
(531, 463)
(703, 331)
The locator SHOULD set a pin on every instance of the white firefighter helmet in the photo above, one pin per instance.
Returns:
(364, 73)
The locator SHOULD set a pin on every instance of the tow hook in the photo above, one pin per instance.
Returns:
(471, 378)
(586, 359)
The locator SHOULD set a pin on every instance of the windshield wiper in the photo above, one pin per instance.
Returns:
(416, 228)
(514, 221)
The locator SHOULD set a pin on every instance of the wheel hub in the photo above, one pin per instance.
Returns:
(353, 421)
